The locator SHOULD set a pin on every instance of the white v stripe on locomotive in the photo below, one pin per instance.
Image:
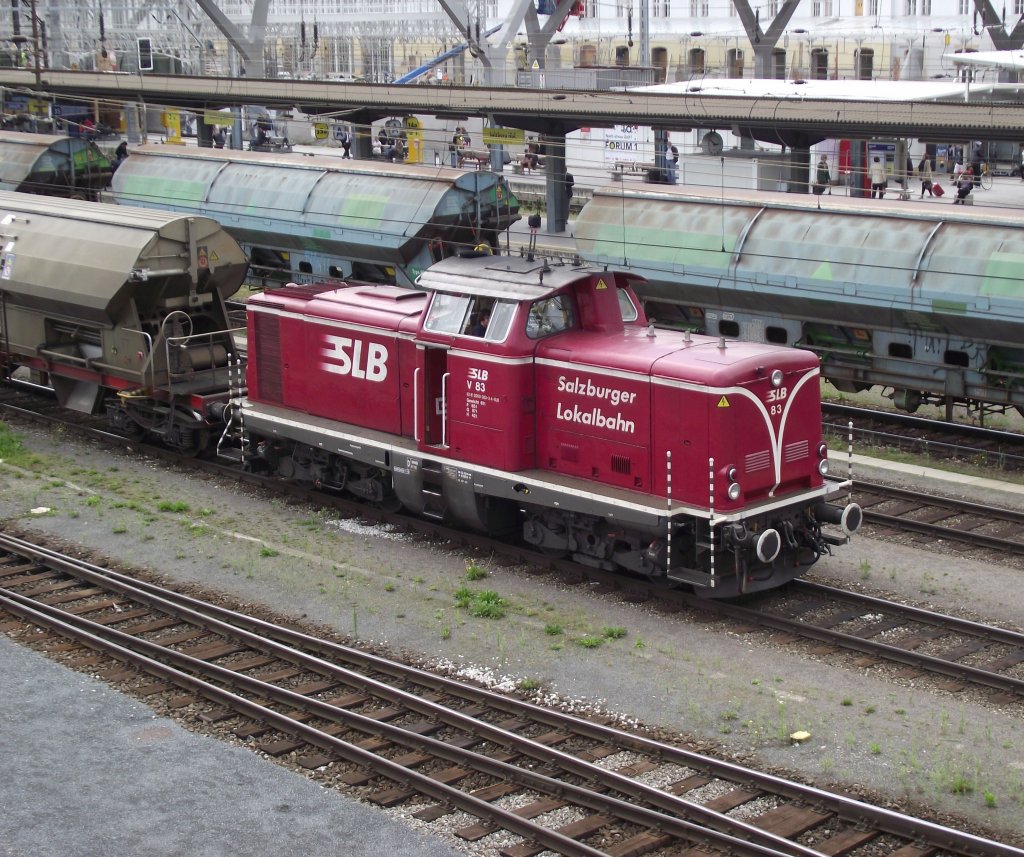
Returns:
(776, 437)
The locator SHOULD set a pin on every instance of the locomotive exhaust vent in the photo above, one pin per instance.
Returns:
(622, 464)
(569, 452)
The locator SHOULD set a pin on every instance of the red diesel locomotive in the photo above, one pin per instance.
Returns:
(531, 397)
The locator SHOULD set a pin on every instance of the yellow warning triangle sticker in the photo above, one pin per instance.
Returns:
(723, 402)
(601, 284)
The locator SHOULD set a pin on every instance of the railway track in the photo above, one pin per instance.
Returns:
(976, 526)
(532, 778)
(937, 439)
(965, 652)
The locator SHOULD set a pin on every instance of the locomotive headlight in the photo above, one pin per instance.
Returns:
(822, 450)
(823, 466)
(734, 490)
(777, 377)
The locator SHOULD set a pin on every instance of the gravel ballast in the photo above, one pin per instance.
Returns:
(905, 742)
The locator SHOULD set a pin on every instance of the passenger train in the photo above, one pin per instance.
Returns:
(512, 395)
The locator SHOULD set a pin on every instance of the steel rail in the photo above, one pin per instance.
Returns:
(868, 647)
(929, 617)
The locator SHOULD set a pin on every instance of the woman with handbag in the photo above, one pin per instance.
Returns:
(924, 171)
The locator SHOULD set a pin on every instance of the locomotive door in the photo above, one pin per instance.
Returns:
(432, 407)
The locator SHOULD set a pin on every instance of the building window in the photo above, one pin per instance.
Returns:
(864, 60)
(773, 8)
(662, 9)
(909, 7)
(621, 8)
(659, 59)
(696, 62)
(873, 8)
(779, 64)
(698, 8)
(734, 58)
(819, 64)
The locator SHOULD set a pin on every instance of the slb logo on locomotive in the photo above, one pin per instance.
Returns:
(345, 356)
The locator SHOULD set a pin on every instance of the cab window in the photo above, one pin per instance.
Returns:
(550, 315)
(489, 319)
(626, 307)
(448, 313)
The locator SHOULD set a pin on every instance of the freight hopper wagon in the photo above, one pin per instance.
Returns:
(926, 301)
(515, 395)
(52, 165)
(121, 310)
(313, 218)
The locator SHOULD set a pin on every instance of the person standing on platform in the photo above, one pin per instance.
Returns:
(976, 165)
(346, 142)
(924, 172)
(878, 180)
(823, 178)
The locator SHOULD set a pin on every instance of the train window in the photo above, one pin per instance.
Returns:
(551, 315)
(956, 358)
(448, 313)
(306, 267)
(335, 273)
(728, 328)
(776, 335)
(626, 307)
(900, 349)
(501, 319)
